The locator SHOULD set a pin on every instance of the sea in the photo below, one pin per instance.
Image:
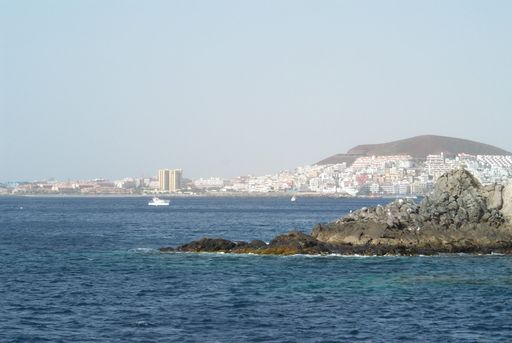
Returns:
(89, 270)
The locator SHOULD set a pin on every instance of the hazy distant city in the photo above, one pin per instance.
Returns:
(397, 175)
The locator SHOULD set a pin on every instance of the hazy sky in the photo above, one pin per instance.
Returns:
(224, 88)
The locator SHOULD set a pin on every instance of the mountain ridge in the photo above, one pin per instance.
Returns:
(418, 147)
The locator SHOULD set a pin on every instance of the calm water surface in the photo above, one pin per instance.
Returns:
(87, 270)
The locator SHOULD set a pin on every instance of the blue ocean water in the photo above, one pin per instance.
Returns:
(87, 270)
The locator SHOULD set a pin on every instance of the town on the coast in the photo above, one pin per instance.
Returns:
(388, 175)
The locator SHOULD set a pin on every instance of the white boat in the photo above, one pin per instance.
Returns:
(293, 198)
(158, 202)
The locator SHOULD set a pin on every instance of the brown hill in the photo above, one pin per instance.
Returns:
(417, 147)
(340, 158)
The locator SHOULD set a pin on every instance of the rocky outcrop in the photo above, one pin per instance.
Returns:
(458, 199)
(294, 242)
(460, 215)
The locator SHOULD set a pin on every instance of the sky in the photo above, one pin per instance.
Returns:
(111, 89)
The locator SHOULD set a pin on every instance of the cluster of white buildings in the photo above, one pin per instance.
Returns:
(396, 175)
(124, 186)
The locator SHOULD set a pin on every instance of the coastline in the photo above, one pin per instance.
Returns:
(202, 195)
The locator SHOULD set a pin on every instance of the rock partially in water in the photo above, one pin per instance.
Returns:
(460, 215)
(294, 242)
(208, 245)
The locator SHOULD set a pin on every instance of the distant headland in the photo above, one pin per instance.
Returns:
(417, 147)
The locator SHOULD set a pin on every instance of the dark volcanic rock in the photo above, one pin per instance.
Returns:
(251, 247)
(289, 244)
(296, 242)
(208, 245)
(256, 244)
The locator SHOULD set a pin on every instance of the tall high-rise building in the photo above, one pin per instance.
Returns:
(163, 179)
(169, 179)
(175, 180)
